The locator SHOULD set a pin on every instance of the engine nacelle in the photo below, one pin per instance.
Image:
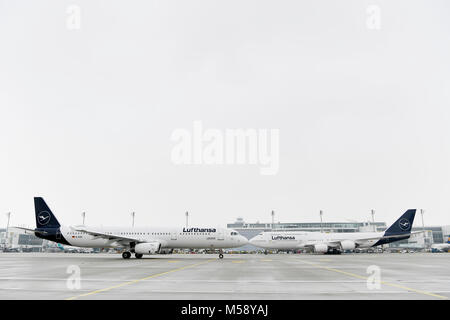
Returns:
(348, 245)
(147, 248)
(320, 248)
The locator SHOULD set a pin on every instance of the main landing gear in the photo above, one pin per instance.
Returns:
(127, 255)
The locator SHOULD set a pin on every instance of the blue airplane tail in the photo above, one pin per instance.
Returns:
(44, 216)
(403, 225)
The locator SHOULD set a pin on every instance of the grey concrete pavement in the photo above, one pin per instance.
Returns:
(200, 276)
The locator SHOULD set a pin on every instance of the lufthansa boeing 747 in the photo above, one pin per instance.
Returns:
(335, 242)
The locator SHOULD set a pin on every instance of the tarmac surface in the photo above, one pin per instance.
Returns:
(248, 276)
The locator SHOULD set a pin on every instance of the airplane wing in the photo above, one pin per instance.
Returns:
(30, 230)
(361, 241)
(312, 243)
(118, 238)
(383, 237)
(337, 242)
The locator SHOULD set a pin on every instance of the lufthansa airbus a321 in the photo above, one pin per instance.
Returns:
(139, 241)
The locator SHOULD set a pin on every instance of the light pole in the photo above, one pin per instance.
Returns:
(273, 218)
(187, 219)
(423, 225)
(372, 212)
(7, 227)
(422, 211)
(321, 214)
(132, 216)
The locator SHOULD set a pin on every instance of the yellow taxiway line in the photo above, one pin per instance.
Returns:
(138, 280)
(382, 282)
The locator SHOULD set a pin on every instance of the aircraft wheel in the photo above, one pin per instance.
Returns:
(126, 255)
(138, 255)
(220, 256)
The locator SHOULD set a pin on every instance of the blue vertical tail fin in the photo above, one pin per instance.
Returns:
(403, 224)
(44, 216)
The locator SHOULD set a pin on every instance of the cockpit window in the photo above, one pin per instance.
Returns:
(234, 233)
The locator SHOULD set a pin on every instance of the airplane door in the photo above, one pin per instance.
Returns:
(173, 236)
(220, 235)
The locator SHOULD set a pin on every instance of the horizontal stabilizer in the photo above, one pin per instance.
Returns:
(30, 230)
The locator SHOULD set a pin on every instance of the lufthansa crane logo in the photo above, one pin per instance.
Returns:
(404, 224)
(44, 218)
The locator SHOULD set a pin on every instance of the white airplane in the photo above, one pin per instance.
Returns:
(442, 246)
(139, 241)
(335, 242)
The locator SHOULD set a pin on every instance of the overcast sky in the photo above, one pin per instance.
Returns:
(360, 97)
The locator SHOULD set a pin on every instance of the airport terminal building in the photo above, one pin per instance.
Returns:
(18, 239)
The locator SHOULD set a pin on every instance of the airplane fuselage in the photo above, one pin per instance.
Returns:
(299, 239)
(195, 238)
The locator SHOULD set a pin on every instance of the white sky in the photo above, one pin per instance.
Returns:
(86, 115)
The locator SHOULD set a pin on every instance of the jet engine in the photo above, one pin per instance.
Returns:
(348, 245)
(320, 248)
(147, 248)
